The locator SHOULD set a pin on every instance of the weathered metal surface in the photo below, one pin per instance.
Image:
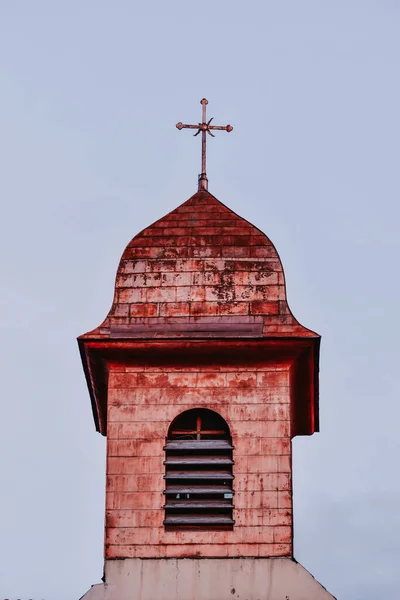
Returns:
(144, 400)
(200, 271)
(195, 355)
(190, 328)
(204, 127)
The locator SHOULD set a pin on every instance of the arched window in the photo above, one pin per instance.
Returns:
(198, 472)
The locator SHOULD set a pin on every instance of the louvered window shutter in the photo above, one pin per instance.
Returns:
(198, 472)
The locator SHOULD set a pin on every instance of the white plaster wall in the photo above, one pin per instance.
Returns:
(207, 579)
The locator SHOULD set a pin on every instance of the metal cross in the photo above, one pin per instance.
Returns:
(204, 127)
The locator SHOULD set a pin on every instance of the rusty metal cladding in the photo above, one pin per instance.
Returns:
(204, 127)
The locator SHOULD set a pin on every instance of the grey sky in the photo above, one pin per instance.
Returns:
(90, 92)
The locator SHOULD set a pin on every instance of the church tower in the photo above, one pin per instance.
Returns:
(200, 376)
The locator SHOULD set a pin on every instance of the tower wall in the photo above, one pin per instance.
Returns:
(142, 402)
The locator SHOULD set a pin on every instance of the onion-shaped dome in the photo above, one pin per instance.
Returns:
(200, 271)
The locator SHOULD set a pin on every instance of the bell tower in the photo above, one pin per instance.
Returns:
(200, 376)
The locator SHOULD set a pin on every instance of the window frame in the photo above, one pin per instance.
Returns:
(199, 465)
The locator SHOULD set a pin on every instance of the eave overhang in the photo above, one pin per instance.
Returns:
(301, 355)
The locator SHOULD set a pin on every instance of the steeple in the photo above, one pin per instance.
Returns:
(200, 376)
(204, 127)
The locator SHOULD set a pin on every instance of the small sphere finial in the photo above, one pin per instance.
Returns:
(204, 101)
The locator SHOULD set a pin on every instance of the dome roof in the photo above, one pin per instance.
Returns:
(200, 271)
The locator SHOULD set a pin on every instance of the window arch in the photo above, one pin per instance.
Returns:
(198, 472)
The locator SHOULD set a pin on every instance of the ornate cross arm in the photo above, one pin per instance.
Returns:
(204, 127)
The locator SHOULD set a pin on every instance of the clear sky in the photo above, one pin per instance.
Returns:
(90, 91)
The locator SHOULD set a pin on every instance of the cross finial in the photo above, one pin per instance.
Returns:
(204, 127)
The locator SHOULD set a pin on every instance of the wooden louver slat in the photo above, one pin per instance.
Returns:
(199, 445)
(198, 460)
(192, 474)
(198, 489)
(173, 505)
(199, 519)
